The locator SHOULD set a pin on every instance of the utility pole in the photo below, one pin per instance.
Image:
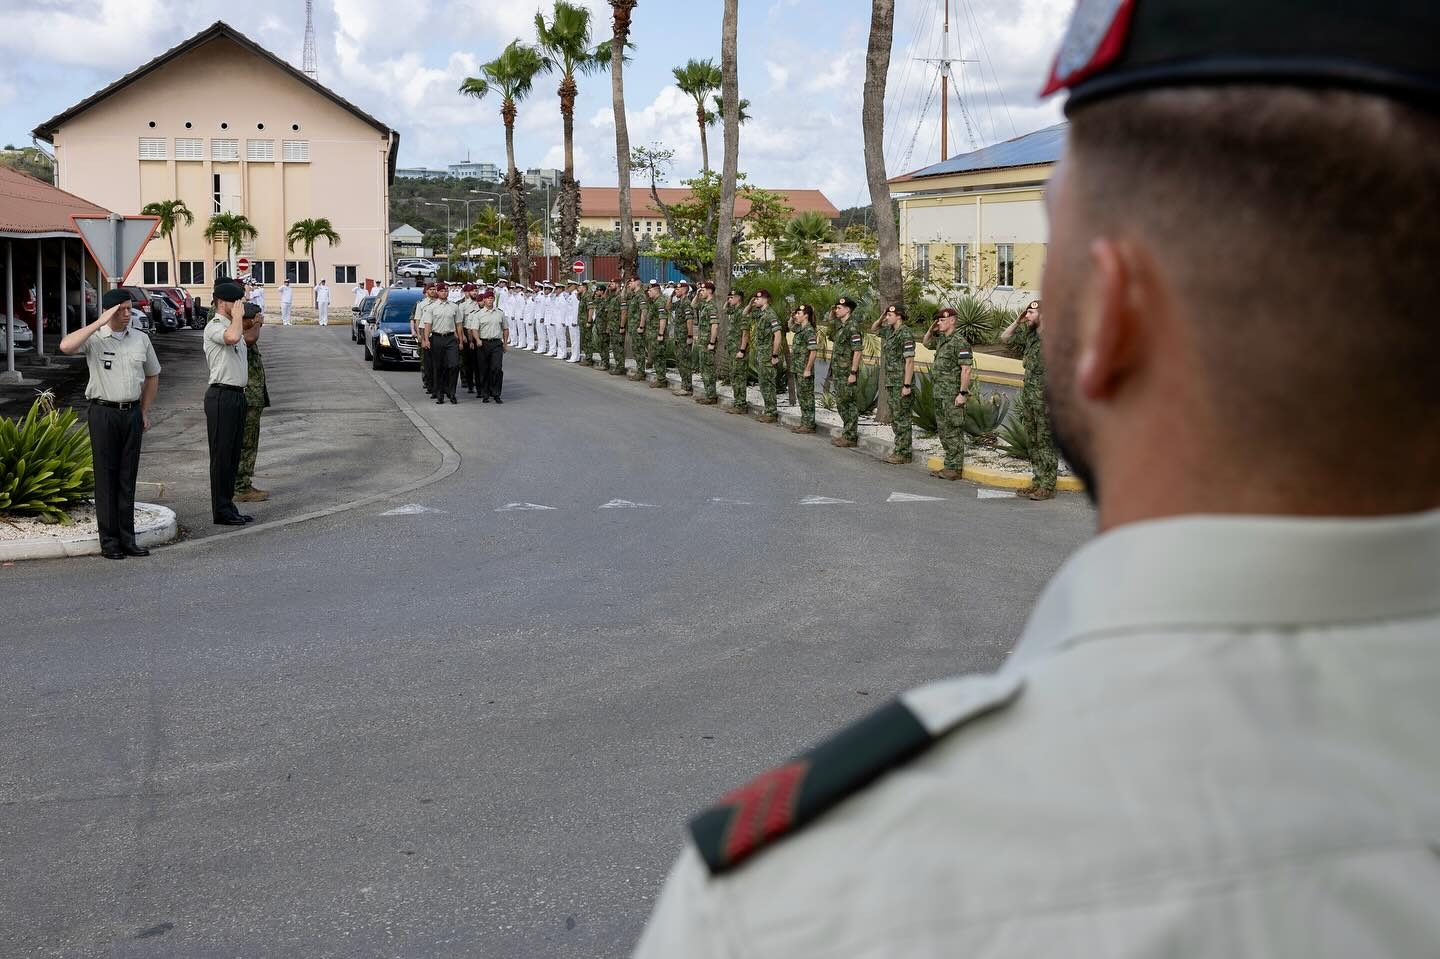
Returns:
(944, 61)
(308, 65)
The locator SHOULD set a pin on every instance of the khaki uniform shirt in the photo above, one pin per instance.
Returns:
(119, 365)
(1218, 736)
(487, 324)
(229, 364)
(443, 317)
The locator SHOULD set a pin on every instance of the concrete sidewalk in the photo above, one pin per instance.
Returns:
(332, 435)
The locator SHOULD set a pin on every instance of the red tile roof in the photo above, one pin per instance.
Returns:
(597, 201)
(29, 206)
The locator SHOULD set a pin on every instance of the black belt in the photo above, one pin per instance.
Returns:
(433, 335)
(227, 386)
(128, 404)
(492, 339)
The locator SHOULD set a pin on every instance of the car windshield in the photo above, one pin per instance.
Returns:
(398, 311)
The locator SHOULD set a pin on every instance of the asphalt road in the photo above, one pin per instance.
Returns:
(472, 729)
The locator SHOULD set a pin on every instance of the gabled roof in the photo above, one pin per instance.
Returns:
(1032, 149)
(597, 201)
(217, 30)
(31, 207)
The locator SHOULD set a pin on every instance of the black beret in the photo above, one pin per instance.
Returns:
(1114, 47)
(848, 303)
(115, 298)
(229, 291)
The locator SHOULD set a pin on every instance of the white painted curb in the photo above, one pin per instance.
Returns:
(161, 528)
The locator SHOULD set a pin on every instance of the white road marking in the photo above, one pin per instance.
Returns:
(825, 501)
(992, 494)
(522, 508)
(730, 502)
(914, 498)
(411, 509)
(626, 504)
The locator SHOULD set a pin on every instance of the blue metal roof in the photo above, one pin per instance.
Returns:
(1042, 146)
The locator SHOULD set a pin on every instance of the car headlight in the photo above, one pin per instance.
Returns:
(384, 338)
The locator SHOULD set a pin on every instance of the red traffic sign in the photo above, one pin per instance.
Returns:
(578, 266)
(243, 264)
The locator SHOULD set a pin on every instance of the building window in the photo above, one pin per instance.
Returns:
(961, 263)
(297, 271)
(152, 148)
(260, 151)
(295, 151)
(263, 271)
(157, 273)
(1005, 264)
(222, 270)
(224, 149)
(617, 226)
(192, 272)
(345, 274)
(922, 261)
(189, 148)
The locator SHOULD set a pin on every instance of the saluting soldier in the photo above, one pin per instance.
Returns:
(951, 373)
(707, 342)
(846, 354)
(897, 352)
(257, 400)
(440, 325)
(804, 347)
(765, 338)
(682, 337)
(657, 310)
(124, 380)
(739, 366)
(632, 325)
(585, 304)
(227, 357)
(1024, 332)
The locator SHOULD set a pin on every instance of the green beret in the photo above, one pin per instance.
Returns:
(115, 298)
(1113, 47)
(229, 291)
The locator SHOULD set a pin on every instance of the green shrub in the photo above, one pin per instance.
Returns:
(45, 467)
(1015, 439)
(975, 321)
(923, 403)
(869, 385)
(983, 416)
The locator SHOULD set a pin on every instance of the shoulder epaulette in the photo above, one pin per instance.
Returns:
(785, 799)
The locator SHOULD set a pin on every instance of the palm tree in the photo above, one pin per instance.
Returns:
(713, 117)
(512, 76)
(730, 93)
(872, 122)
(801, 241)
(697, 79)
(565, 48)
(619, 40)
(235, 228)
(171, 213)
(307, 233)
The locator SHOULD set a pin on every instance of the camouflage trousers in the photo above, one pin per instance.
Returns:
(707, 371)
(1043, 460)
(685, 361)
(847, 404)
(739, 369)
(617, 349)
(654, 352)
(901, 420)
(249, 445)
(805, 393)
(768, 381)
(600, 343)
(950, 423)
(587, 348)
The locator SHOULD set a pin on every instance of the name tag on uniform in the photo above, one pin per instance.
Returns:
(107, 359)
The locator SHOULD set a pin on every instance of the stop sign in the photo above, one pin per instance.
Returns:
(242, 265)
(578, 267)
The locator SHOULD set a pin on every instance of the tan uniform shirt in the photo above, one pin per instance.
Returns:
(443, 317)
(1219, 736)
(119, 365)
(229, 364)
(487, 324)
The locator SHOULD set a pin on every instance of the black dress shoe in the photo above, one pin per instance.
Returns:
(135, 550)
(236, 520)
(500, 401)
(454, 400)
(113, 553)
(484, 399)
(439, 401)
(247, 518)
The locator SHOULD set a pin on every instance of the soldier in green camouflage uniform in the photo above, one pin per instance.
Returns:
(1025, 333)
(897, 352)
(615, 297)
(804, 345)
(587, 301)
(657, 330)
(739, 365)
(682, 335)
(257, 397)
(707, 342)
(846, 355)
(632, 322)
(951, 373)
(761, 343)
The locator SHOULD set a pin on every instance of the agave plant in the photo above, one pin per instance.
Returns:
(922, 403)
(983, 416)
(45, 466)
(868, 384)
(1015, 439)
(975, 320)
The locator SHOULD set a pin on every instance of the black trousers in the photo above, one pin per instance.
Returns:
(115, 451)
(492, 370)
(470, 376)
(427, 374)
(225, 408)
(446, 371)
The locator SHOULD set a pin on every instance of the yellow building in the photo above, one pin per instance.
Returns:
(977, 221)
(227, 126)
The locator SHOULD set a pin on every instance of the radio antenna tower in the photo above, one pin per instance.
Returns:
(307, 59)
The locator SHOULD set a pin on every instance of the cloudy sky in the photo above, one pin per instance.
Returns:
(802, 64)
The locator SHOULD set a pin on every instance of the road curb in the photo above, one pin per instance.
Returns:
(161, 529)
(1002, 480)
(449, 463)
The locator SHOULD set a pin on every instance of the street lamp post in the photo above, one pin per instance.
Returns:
(449, 239)
(467, 211)
(500, 199)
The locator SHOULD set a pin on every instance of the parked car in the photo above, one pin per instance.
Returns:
(416, 267)
(166, 314)
(362, 315)
(387, 333)
(24, 339)
(178, 298)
